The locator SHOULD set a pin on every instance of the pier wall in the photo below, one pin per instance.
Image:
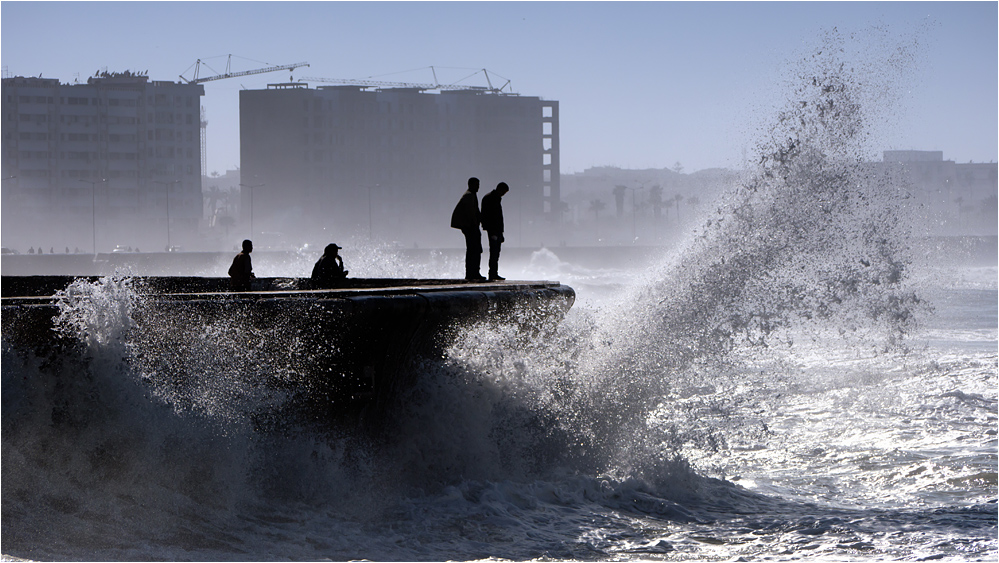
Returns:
(341, 351)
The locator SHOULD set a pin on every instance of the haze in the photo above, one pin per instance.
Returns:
(641, 85)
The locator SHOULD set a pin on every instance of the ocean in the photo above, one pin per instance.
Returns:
(588, 442)
(799, 377)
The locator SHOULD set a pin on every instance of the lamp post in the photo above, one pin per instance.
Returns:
(520, 214)
(6, 193)
(166, 189)
(369, 208)
(93, 211)
(251, 203)
(634, 210)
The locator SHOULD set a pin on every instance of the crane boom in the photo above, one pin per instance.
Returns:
(228, 74)
(417, 85)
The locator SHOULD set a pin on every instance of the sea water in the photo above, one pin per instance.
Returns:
(792, 380)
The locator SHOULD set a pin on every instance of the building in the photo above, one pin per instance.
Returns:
(338, 161)
(959, 198)
(113, 161)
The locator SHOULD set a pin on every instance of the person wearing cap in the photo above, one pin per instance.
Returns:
(328, 271)
(492, 223)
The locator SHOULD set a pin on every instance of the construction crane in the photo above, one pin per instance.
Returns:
(229, 74)
(365, 83)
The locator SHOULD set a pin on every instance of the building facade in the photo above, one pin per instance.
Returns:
(391, 163)
(109, 162)
(958, 198)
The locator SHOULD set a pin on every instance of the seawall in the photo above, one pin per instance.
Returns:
(343, 351)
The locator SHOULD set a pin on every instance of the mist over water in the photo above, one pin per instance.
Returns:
(792, 380)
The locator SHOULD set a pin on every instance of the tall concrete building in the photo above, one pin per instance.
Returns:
(339, 161)
(106, 162)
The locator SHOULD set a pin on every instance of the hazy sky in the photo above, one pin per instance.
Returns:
(644, 84)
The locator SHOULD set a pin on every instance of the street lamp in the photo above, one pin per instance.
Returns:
(369, 208)
(520, 214)
(93, 211)
(251, 203)
(634, 210)
(6, 193)
(166, 189)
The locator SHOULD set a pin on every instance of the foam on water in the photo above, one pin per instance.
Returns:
(776, 386)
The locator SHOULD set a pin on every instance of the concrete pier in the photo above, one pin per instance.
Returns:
(339, 351)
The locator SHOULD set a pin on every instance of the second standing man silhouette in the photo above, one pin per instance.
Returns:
(492, 222)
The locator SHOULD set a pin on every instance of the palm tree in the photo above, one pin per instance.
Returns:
(960, 207)
(596, 206)
(226, 221)
(656, 199)
(619, 192)
(678, 198)
(563, 208)
(213, 195)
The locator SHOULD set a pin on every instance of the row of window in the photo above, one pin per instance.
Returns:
(158, 100)
(160, 117)
(158, 152)
(429, 106)
(391, 124)
(86, 174)
(369, 176)
(352, 123)
(158, 135)
(381, 157)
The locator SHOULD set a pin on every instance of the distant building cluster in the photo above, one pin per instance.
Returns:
(939, 182)
(122, 155)
(953, 198)
(118, 162)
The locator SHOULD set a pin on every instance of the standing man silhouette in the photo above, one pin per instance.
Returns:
(492, 222)
(466, 218)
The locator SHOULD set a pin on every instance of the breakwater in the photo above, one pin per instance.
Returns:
(334, 352)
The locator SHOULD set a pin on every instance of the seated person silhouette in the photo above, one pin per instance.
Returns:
(241, 270)
(328, 271)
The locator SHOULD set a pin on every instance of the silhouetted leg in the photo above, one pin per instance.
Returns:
(473, 253)
(494, 253)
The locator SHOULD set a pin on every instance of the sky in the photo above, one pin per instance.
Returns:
(639, 84)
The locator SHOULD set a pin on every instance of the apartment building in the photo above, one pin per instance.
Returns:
(102, 161)
(390, 163)
(958, 198)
